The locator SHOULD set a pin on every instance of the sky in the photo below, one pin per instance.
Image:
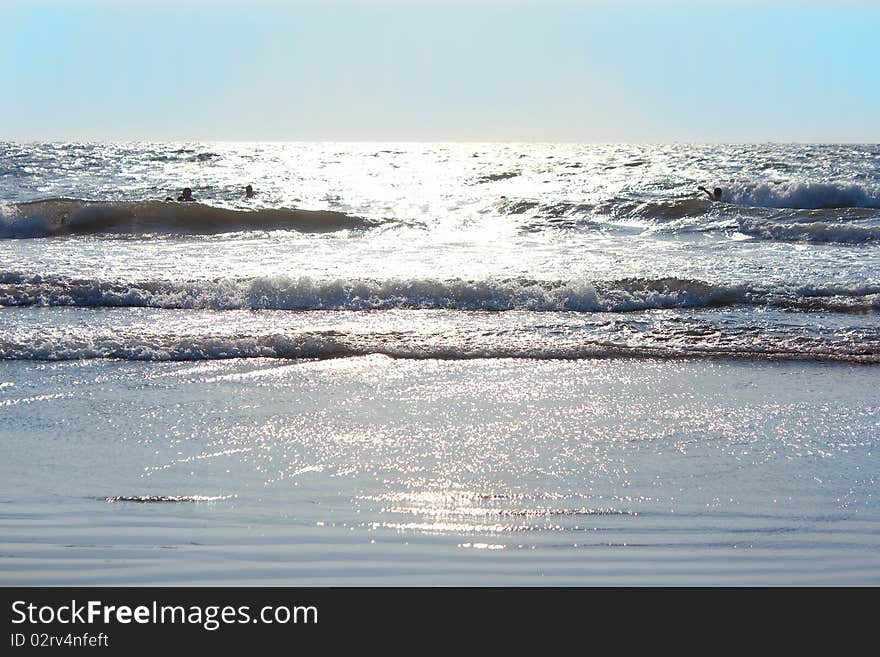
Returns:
(427, 70)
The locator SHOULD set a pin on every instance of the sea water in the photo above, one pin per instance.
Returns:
(439, 363)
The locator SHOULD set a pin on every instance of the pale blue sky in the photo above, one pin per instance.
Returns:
(422, 70)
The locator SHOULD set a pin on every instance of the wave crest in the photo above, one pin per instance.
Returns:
(286, 293)
(606, 340)
(804, 195)
(74, 216)
(814, 231)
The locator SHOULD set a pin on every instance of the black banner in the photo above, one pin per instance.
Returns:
(126, 619)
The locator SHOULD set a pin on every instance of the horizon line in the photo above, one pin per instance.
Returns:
(691, 142)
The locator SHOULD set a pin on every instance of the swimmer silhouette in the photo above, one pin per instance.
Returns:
(714, 195)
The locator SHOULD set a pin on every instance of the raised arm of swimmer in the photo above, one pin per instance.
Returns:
(714, 195)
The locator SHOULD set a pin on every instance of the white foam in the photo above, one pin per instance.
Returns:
(804, 195)
(453, 346)
(303, 293)
(286, 293)
(816, 231)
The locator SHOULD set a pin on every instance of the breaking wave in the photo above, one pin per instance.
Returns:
(821, 213)
(287, 293)
(854, 347)
(73, 216)
(814, 231)
(804, 195)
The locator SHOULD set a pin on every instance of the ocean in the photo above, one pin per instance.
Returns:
(426, 363)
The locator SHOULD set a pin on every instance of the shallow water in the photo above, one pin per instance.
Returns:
(370, 470)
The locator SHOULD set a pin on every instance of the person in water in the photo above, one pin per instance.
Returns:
(714, 195)
(186, 195)
(248, 192)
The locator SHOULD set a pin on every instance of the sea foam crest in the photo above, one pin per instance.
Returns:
(804, 195)
(863, 347)
(816, 231)
(303, 293)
